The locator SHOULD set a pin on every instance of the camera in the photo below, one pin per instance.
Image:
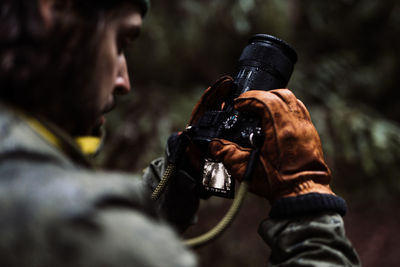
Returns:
(266, 63)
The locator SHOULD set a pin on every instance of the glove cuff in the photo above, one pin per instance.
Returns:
(307, 204)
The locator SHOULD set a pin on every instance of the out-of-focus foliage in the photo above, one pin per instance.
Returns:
(347, 75)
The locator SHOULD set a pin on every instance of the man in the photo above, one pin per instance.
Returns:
(62, 64)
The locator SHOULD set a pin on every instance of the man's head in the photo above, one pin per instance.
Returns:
(110, 73)
(64, 60)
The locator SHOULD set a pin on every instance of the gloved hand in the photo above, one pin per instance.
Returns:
(212, 98)
(291, 172)
(181, 199)
(291, 161)
(178, 200)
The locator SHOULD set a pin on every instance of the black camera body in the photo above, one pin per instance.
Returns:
(266, 63)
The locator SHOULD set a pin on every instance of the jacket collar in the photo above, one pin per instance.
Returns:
(37, 134)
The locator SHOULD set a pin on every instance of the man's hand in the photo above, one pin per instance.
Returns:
(213, 98)
(291, 161)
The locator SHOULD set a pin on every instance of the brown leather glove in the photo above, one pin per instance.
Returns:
(291, 161)
(181, 197)
(212, 98)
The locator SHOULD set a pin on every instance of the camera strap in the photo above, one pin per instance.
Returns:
(202, 129)
(174, 161)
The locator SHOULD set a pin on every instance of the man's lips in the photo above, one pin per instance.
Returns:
(101, 119)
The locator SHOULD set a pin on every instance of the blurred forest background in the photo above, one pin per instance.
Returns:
(347, 75)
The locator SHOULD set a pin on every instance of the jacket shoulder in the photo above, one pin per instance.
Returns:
(106, 218)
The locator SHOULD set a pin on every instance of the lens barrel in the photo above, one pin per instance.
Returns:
(266, 63)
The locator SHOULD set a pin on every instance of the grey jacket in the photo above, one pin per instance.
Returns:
(56, 210)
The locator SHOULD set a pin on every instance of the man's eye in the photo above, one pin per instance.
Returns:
(123, 44)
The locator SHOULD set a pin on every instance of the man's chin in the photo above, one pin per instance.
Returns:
(100, 121)
(96, 130)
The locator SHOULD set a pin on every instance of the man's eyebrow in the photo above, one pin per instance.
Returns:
(131, 30)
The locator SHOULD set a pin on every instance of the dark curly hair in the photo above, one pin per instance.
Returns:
(48, 71)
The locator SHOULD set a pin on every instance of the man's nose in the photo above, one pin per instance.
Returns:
(122, 83)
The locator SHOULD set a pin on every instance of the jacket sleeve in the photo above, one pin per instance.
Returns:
(118, 237)
(317, 240)
(53, 216)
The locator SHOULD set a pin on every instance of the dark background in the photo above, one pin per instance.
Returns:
(347, 76)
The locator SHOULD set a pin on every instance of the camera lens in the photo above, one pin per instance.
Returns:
(266, 63)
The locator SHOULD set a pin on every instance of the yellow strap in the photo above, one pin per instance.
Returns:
(44, 132)
(89, 144)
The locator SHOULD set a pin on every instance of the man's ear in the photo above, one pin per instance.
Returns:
(46, 11)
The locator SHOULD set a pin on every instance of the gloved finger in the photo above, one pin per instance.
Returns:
(233, 156)
(304, 110)
(286, 124)
(235, 159)
(281, 117)
(172, 148)
(213, 98)
(269, 104)
(192, 154)
(288, 97)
